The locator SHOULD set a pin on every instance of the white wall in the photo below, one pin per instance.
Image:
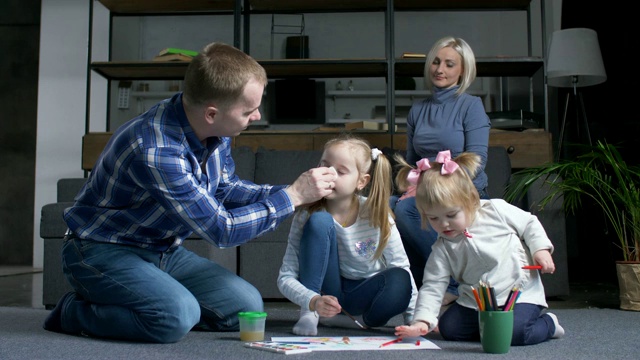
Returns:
(63, 63)
(61, 99)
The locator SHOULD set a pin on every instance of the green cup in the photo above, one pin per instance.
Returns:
(496, 330)
(252, 325)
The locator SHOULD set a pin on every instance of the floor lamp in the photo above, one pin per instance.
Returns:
(574, 60)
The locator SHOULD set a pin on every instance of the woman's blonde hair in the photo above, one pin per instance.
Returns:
(468, 61)
(379, 187)
(450, 190)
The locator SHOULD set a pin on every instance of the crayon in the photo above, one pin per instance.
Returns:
(532, 267)
(475, 294)
(494, 301)
(391, 342)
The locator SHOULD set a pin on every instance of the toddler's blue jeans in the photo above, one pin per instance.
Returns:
(459, 323)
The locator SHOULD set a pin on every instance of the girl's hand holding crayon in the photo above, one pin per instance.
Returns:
(544, 259)
(417, 329)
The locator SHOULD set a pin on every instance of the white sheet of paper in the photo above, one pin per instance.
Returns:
(340, 343)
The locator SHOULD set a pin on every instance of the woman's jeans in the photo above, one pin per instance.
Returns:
(416, 240)
(377, 298)
(460, 323)
(130, 293)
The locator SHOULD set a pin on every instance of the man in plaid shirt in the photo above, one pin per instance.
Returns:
(164, 175)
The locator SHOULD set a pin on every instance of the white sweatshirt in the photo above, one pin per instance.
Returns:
(503, 237)
(356, 246)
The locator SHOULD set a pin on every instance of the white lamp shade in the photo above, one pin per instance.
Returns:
(575, 53)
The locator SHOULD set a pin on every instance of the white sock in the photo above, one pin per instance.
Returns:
(559, 329)
(307, 325)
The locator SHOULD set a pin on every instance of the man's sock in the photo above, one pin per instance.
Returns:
(307, 325)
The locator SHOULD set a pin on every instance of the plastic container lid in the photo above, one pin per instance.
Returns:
(252, 314)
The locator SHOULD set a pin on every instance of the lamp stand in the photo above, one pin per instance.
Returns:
(580, 114)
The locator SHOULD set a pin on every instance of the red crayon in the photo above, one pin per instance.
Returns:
(391, 342)
(532, 267)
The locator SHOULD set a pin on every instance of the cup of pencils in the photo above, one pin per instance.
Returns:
(496, 322)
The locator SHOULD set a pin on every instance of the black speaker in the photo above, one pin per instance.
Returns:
(297, 47)
(296, 101)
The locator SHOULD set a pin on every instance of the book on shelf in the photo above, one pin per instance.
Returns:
(367, 125)
(172, 57)
(411, 55)
(328, 128)
(281, 348)
(170, 50)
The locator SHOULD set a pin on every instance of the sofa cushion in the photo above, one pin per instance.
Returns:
(245, 161)
(52, 224)
(69, 188)
(284, 166)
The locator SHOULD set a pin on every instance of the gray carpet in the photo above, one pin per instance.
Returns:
(590, 334)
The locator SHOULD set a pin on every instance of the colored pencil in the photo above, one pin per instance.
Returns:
(494, 301)
(391, 342)
(350, 316)
(512, 301)
(475, 294)
(487, 301)
(509, 297)
(532, 267)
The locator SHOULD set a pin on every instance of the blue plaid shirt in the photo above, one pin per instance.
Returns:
(155, 184)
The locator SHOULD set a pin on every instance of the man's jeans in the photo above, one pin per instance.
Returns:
(126, 292)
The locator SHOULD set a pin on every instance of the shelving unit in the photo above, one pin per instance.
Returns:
(387, 67)
(151, 70)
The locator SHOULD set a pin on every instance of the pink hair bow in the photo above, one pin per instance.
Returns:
(448, 165)
(414, 174)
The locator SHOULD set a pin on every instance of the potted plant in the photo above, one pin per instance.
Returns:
(600, 176)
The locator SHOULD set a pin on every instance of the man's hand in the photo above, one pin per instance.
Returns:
(312, 186)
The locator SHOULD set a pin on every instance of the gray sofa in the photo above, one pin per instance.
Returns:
(259, 260)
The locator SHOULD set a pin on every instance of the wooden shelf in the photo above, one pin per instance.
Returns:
(382, 93)
(325, 68)
(147, 7)
(485, 66)
(317, 68)
(141, 70)
(526, 148)
(465, 5)
(309, 6)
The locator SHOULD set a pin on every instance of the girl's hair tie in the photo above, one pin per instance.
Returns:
(375, 153)
(448, 165)
(414, 174)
